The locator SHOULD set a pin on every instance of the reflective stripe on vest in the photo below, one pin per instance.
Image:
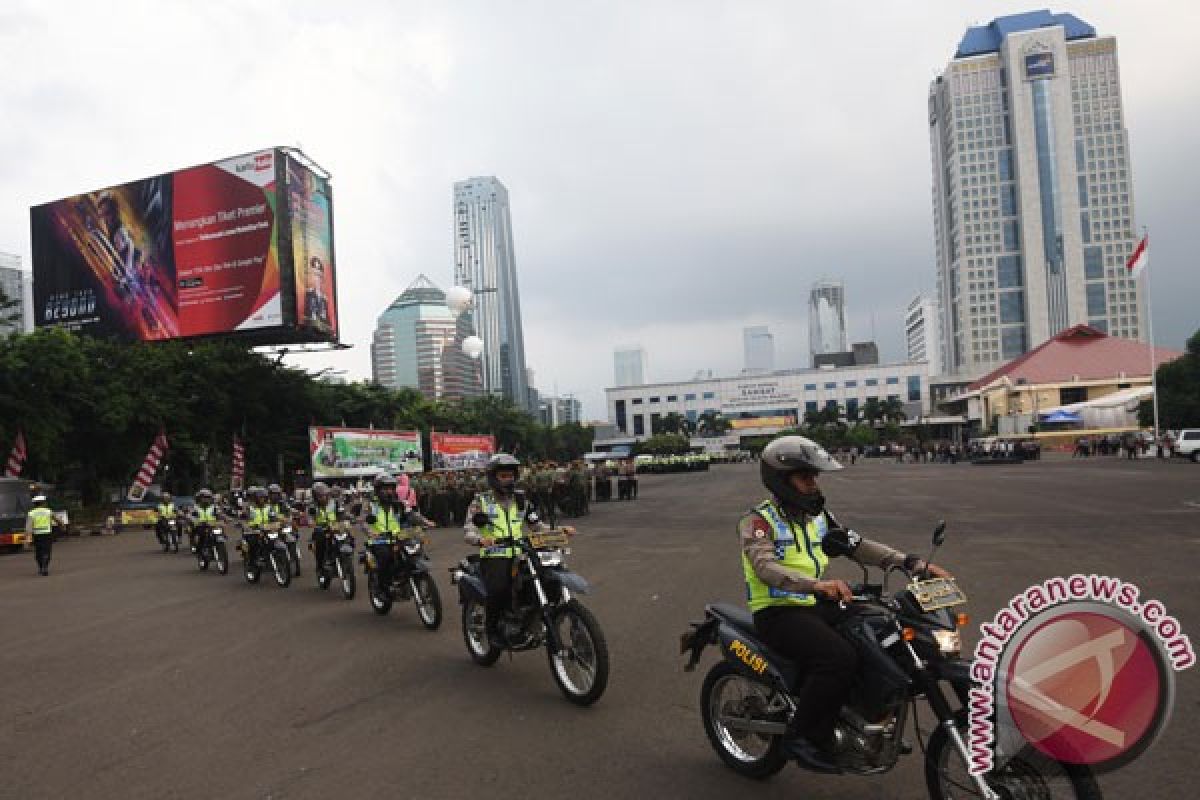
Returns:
(797, 549)
(43, 520)
(505, 523)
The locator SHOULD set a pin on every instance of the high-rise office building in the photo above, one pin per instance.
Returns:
(758, 346)
(629, 366)
(921, 334)
(1032, 190)
(827, 319)
(15, 285)
(561, 410)
(485, 263)
(418, 344)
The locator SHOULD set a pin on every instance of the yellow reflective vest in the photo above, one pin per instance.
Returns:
(505, 522)
(42, 520)
(797, 547)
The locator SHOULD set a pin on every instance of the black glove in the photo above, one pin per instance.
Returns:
(479, 519)
(840, 542)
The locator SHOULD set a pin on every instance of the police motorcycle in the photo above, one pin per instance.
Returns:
(411, 578)
(544, 613)
(338, 561)
(908, 644)
(168, 534)
(269, 550)
(211, 546)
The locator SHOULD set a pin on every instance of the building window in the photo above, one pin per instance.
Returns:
(621, 421)
(871, 382)
(1093, 262)
(851, 384)
(692, 416)
(1012, 235)
(1008, 200)
(851, 405)
(914, 388)
(655, 400)
(637, 401)
(1008, 272)
(639, 425)
(893, 381)
(831, 404)
(709, 396)
(672, 398)
(689, 397)
(1012, 307)
(830, 386)
(810, 405)
(810, 387)
(1004, 165)
(1012, 341)
(1096, 303)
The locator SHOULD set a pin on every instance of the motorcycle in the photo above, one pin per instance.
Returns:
(909, 645)
(337, 562)
(544, 613)
(269, 549)
(290, 538)
(411, 578)
(211, 547)
(168, 535)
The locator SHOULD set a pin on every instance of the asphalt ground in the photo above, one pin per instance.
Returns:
(129, 674)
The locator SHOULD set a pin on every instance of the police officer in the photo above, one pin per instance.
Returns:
(204, 517)
(258, 516)
(795, 606)
(39, 524)
(389, 519)
(166, 512)
(282, 512)
(501, 512)
(326, 512)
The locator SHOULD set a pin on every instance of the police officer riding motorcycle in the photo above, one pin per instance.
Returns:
(284, 513)
(208, 534)
(332, 544)
(262, 543)
(167, 525)
(394, 558)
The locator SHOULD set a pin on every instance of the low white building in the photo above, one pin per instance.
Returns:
(767, 403)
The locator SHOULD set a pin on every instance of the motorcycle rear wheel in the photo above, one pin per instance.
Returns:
(727, 693)
(222, 559)
(1030, 774)
(475, 634)
(427, 601)
(280, 565)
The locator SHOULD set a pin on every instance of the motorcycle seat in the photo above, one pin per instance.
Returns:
(742, 621)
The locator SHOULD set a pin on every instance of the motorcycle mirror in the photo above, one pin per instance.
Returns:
(939, 533)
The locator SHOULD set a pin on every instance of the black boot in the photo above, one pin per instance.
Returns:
(808, 754)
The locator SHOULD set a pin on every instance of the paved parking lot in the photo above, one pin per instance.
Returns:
(129, 674)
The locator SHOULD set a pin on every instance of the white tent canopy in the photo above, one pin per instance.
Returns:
(1116, 410)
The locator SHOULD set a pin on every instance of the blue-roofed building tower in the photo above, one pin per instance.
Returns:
(1032, 190)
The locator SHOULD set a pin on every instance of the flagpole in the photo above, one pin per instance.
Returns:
(1150, 332)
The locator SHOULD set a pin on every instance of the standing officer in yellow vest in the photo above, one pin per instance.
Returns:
(502, 512)
(795, 605)
(40, 525)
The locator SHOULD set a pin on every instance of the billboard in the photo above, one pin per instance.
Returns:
(310, 202)
(202, 251)
(363, 452)
(461, 451)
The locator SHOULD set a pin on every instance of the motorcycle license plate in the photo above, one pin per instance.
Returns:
(548, 540)
(937, 593)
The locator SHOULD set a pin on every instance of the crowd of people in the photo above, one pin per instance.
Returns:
(1127, 445)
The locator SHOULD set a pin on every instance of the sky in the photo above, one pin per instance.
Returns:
(676, 170)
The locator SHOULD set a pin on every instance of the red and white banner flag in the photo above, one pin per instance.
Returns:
(1140, 259)
(16, 459)
(238, 475)
(149, 468)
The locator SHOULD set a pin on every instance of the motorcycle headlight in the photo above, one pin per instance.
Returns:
(412, 548)
(218, 531)
(273, 535)
(550, 558)
(949, 643)
(341, 536)
(288, 529)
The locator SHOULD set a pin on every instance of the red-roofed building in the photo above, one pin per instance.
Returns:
(1079, 365)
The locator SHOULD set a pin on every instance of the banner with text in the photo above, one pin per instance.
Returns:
(363, 452)
(461, 451)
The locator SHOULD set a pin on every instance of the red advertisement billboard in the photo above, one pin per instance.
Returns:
(461, 451)
(196, 252)
(310, 203)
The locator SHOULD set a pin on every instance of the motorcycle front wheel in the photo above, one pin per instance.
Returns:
(281, 568)
(427, 600)
(1030, 774)
(346, 576)
(294, 557)
(222, 559)
(201, 560)
(252, 571)
(474, 625)
(381, 600)
(728, 698)
(580, 667)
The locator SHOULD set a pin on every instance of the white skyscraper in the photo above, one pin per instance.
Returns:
(758, 346)
(827, 319)
(921, 333)
(15, 284)
(485, 263)
(629, 366)
(1032, 190)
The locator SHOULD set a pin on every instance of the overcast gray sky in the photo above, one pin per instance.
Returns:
(677, 170)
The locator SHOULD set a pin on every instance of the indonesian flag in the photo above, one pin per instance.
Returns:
(238, 475)
(16, 459)
(149, 468)
(1140, 258)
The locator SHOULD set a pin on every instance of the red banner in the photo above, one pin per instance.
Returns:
(461, 451)
(145, 475)
(238, 475)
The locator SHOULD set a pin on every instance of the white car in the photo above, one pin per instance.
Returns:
(1187, 444)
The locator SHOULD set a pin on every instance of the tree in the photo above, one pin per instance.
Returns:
(893, 410)
(668, 423)
(712, 424)
(663, 444)
(1178, 391)
(872, 411)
